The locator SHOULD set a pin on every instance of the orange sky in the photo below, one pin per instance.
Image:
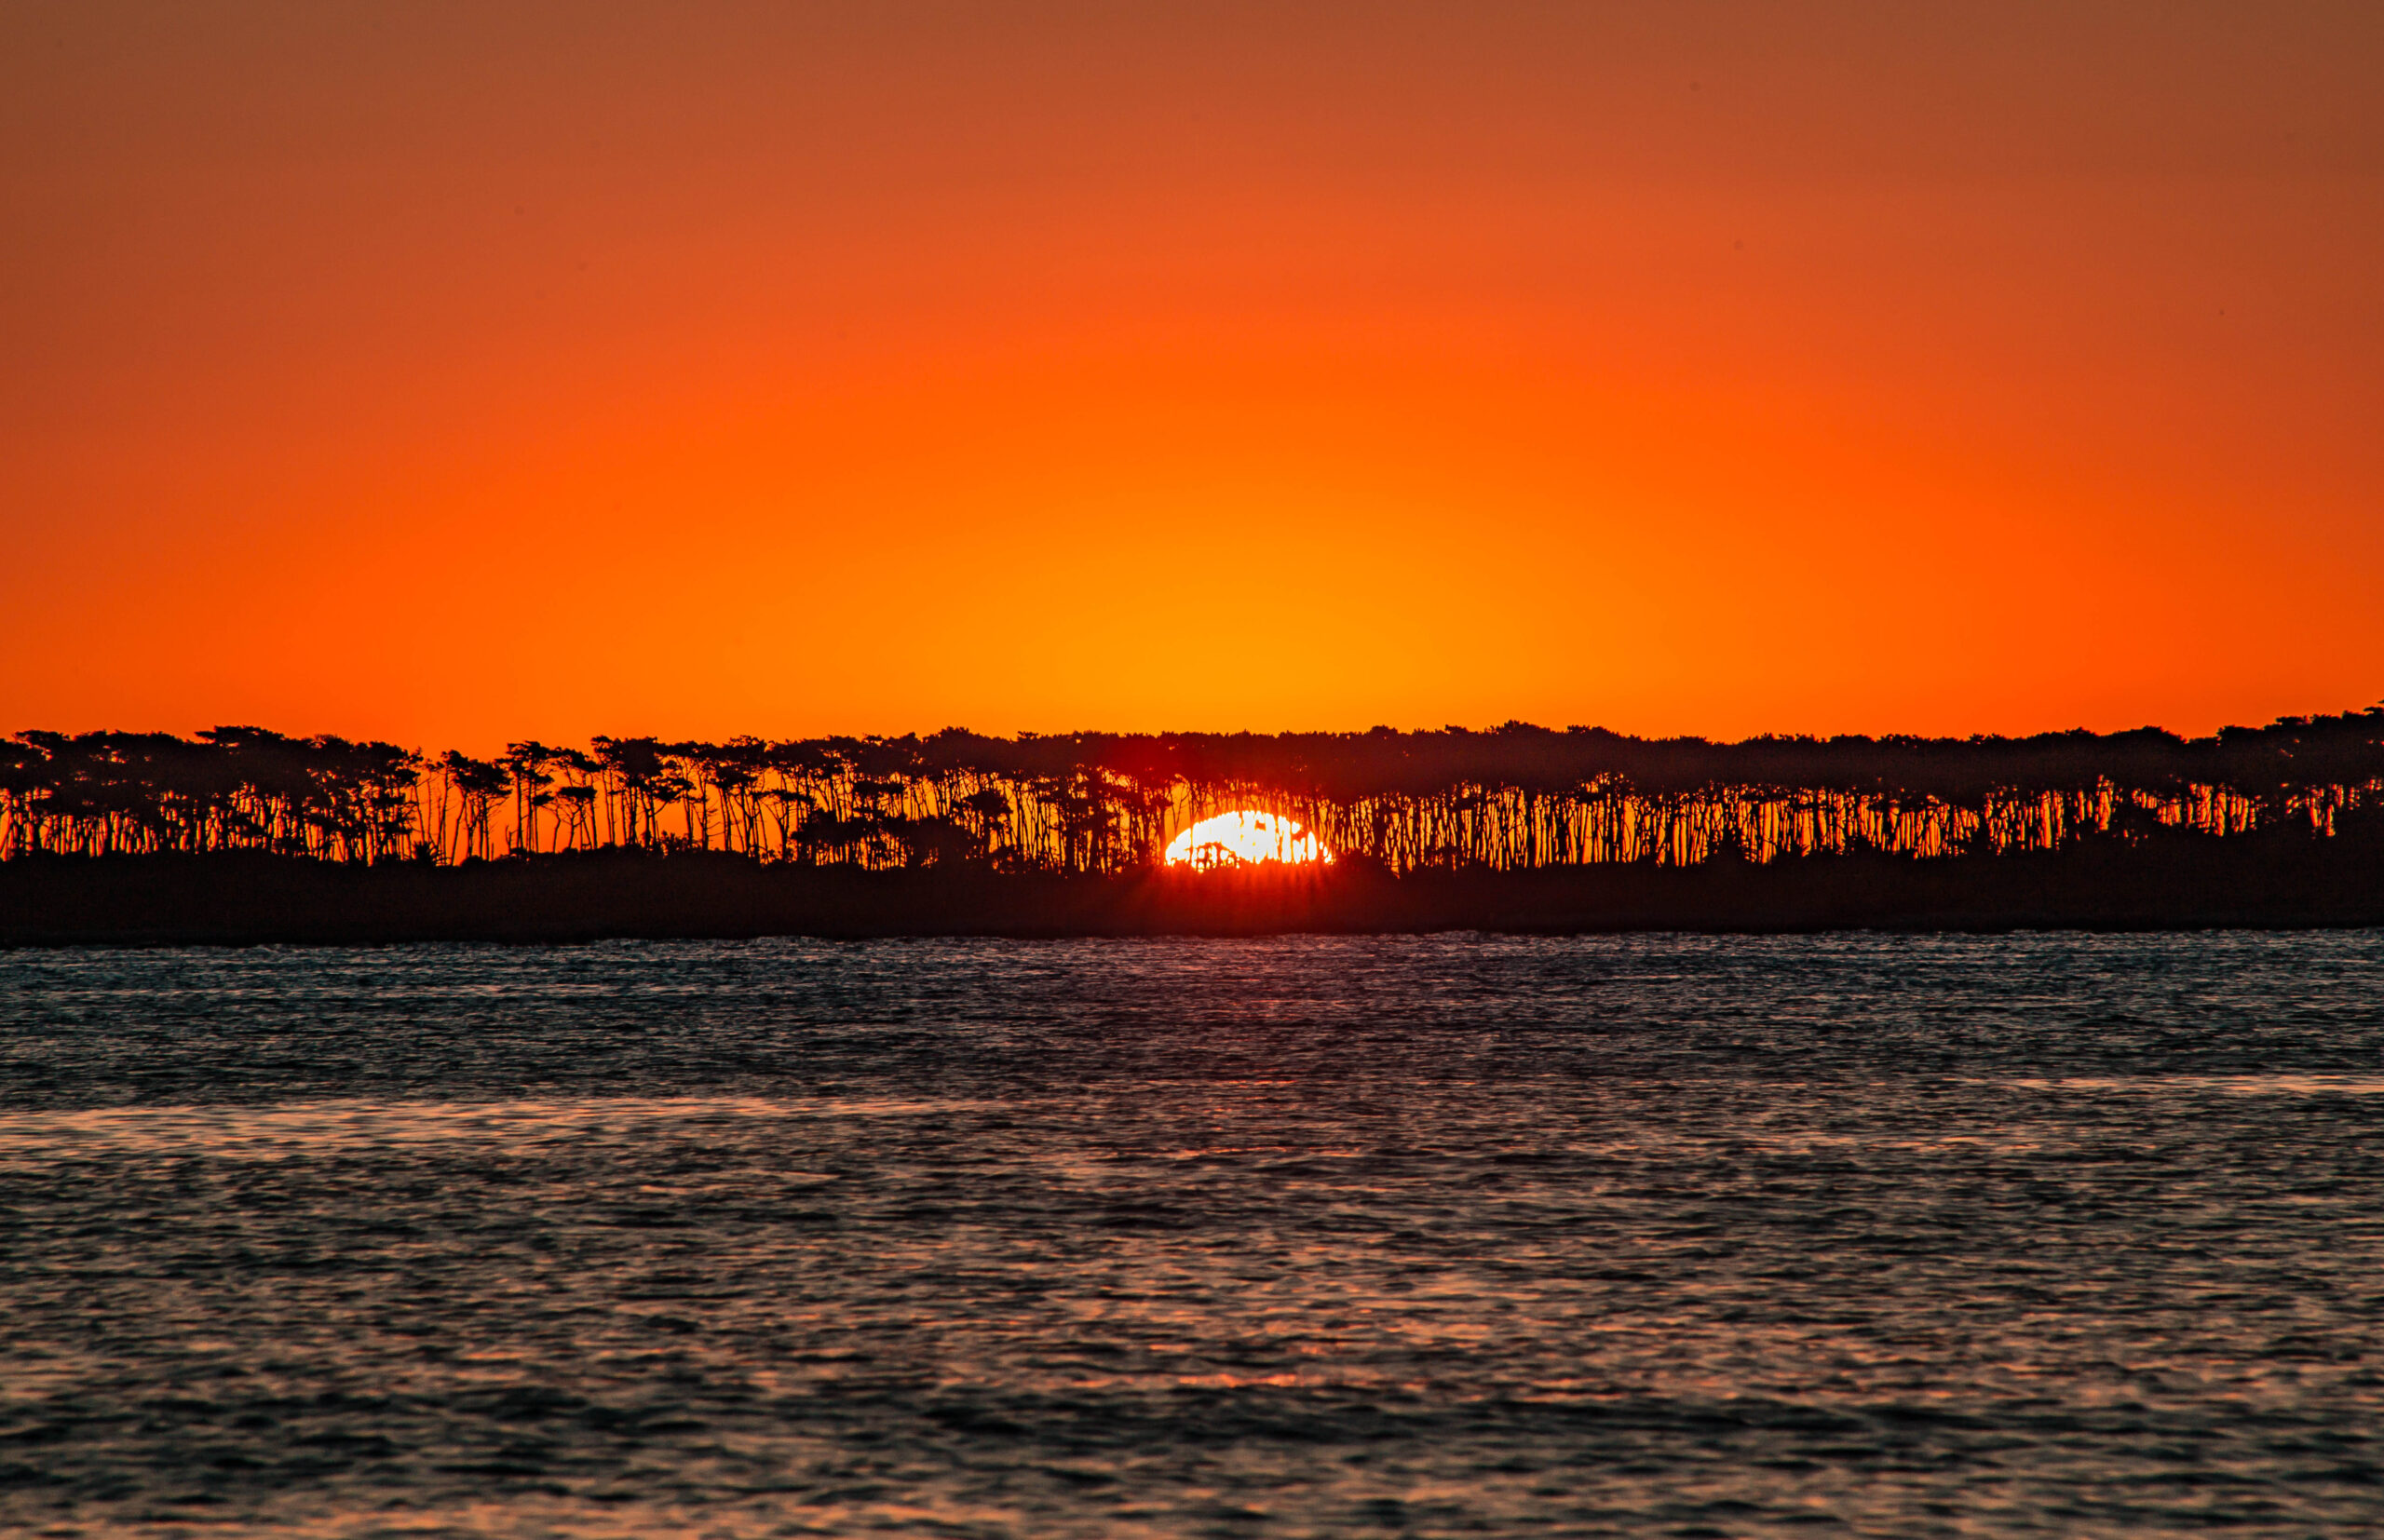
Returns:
(403, 371)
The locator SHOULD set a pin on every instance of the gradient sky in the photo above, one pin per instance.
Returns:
(424, 373)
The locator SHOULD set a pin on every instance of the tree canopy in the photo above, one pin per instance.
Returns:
(1513, 796)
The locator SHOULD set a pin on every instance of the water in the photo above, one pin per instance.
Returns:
(1648, 1235)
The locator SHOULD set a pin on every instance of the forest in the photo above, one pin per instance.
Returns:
(1514, 798)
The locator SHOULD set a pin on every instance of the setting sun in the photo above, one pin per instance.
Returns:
(1243, 838)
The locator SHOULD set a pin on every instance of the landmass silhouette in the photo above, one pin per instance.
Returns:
(244, 834)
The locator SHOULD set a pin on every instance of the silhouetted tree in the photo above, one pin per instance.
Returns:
(1511, 798)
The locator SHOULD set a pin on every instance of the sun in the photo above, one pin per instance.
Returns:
(1244, 838)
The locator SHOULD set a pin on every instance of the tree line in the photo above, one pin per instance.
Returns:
(1515, 797)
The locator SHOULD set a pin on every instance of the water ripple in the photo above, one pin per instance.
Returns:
(1883, 1235)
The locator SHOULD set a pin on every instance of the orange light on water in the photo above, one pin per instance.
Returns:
(1243, 838)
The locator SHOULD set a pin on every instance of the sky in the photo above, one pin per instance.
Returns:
(460, 374)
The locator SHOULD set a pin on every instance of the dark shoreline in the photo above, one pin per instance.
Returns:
(240, 900)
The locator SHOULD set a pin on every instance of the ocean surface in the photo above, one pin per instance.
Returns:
(1648, 1235)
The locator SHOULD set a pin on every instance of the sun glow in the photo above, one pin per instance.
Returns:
(1243, 838)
